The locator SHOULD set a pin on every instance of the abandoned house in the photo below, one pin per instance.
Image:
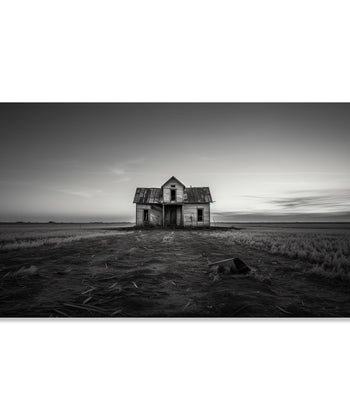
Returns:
(173, 205)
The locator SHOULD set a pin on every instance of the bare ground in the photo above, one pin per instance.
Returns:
(161, 273)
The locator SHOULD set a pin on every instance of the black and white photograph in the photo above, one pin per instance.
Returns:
(175, 210)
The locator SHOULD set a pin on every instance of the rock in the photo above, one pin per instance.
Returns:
(241, 266)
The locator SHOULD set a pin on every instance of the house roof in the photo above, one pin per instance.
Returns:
(154, 195)
(197, 195)
(175, 179)
(148, 196)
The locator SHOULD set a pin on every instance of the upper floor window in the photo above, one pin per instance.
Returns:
(172, 195)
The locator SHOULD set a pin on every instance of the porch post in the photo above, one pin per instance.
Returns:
(163, 217)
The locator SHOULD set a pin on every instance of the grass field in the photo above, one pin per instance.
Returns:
(107, 271)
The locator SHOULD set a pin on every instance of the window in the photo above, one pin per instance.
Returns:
(145, 215)
(200, 215)
(172, 185)
(172, 195)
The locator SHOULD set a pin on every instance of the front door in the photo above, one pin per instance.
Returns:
(173, 216)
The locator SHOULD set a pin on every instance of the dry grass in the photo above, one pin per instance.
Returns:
(18, 239)
(329, 253)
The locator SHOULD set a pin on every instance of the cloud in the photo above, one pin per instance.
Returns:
(118, 171)
(297, 202)
(123, 170)
(123, 179)
(335, 200)
(320, 200)
(232, 216)
(80, 193)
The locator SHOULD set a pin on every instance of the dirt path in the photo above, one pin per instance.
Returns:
(161, 273)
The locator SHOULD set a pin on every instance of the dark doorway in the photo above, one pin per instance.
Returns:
(172, 216)
(145, 216)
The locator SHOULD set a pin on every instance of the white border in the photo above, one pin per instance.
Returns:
(165, 51)
(174, 370)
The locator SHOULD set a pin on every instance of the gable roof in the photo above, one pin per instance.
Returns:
(197, 195)
(148, 196)
(193, 195)
(174, 178)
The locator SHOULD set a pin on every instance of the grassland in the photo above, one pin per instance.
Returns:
(327, 250)
(105, 271)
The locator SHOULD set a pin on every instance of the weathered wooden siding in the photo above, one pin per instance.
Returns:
(179, 192)
(155, 214)
(190, 214)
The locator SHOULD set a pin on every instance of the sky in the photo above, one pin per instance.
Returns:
(262, 162)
